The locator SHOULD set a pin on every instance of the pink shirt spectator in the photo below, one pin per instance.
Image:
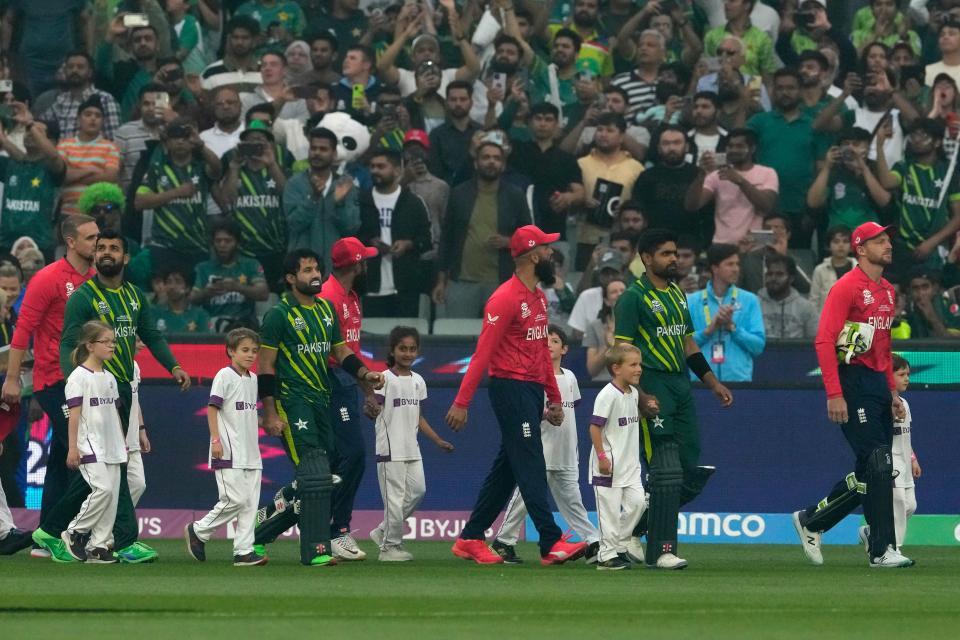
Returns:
(735, 215)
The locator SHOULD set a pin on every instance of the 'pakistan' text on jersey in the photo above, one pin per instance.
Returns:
(920, 185)
(657, 322)
(259, 214)
(125, 309)
(181, 224)
(303, 337)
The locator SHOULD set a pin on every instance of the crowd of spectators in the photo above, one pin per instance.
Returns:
(761, 132)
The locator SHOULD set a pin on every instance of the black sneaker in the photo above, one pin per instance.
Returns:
(507, 552)
(101, 556)
(625, 558)
(251, 559)
(613, 564)
(592, 554)
(195, 546)
(15, 541)
(76, 544)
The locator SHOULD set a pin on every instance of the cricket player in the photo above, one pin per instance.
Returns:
(563, 465)
(513, 347)
(862, 397)
(652, 315)
(294, 379)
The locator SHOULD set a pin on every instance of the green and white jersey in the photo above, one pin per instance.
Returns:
(259, 213)
(180, 224)
(231, 304)
(29, 198)
(303, 337)
(920, 187)
(657, 322)
(128, 311)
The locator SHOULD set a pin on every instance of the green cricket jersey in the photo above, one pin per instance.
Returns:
(181, 224)
(232, 303)
(128, 311)
(848, 200)
(193, 319)
(657, 322)
(259, 213)
(303, 337)
(29, 198)
(920, 187)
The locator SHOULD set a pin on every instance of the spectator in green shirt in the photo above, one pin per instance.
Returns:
(229, 285)
(760, 60)
(177, 315)
(931, 314)
(283, 19)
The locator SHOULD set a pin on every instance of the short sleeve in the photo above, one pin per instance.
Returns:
(627, 316)
(220, 389)
(423, 388)
(73, 391)
(574, 387)
(899, 170)
(770, 181)
(271, 332)
(149, 182)
(602, 408)
(712, 182)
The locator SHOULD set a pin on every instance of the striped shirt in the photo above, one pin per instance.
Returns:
(641, 95)
(99, 153)
(132, 140)
(65, 107)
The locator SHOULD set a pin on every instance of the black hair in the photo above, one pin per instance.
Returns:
(394, 156)
(925, 272)
(460, 84)
(243, 22)
(227, 225)
(787, 72)
(324, 134)
(326, 36)
(933, 126)
(787, 261)
(291, 262)
(780, 215)
(78, 53)
(557, 330)
(172, 269)
(719, 252)
(606, 311)
(816, 56)
(652, 239)
(152, 87)
(631, 205)
(545, 109)
(836, 229)
(610, 119)
(263, 107)
(625, 234)
(708, 95)
(113, 234)
(397, 334)
(506, 39)
(569, 34)
(749, 134)
(854, 134)
(620, 91)
(688, 241)
(899, 362)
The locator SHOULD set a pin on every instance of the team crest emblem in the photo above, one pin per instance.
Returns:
(299, 324)
(656, 307)
(524, 310)
(867, 297)
(890, 296)
(164, 181)
(70, 288)
(103, 308)
(13, 181)
(346, 311)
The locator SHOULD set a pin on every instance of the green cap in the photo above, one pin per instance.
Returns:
(257, 126)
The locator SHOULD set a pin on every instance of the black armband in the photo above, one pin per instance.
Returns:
(698, 364)
(352, 365)
(266, 385)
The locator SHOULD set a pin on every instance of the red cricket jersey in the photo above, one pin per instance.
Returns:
(347, 306)
(41, 316)
(857, 298)
(513, 342)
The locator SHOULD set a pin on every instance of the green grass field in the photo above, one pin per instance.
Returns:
(748, 591)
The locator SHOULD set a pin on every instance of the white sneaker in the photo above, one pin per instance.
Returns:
(395, 554)
(892, 559)
(670, 561)
(38, 552)
(809, 540)
(345, 548)
(377, 537)
(864, 534)
(635, 550)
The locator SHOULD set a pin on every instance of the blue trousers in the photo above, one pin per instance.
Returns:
(349, 455)
(518, 406)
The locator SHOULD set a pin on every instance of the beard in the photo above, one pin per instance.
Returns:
(670, 272)
(107, 267)
(728, 93)
(583, 19)
(545, 272)
(311, 288)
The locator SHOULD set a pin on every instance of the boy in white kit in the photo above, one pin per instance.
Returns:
(234, 453)
(563, 464)
(905, 463)
(96, 444)
(615, 458)
(137, 441)
(399, 464)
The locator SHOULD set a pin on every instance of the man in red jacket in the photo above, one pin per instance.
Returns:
(41, 318)
(513, 348)
(861, 397)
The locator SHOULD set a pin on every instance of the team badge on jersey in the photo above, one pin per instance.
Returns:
(14, 180)
(867, 297)
(524, 310)
(346, 311)
(656, 307)
(70, 288)
(299, 324)
(890, 296)
(103, 307)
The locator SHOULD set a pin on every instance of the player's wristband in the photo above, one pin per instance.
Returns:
(266, 385)
(698, 364)
(352, 365)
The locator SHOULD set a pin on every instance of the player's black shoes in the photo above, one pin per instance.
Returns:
(195, 546)
(15, 541)
(507, 552)
(615, 563)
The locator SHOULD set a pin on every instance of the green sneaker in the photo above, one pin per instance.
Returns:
(136, 553)
(324, 560)
(43, 539)
(59, 553)
(260, 549)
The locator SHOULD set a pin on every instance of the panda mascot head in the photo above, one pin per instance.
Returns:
(353, 138)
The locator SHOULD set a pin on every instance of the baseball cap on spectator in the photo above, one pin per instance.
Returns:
(349, 251)
(867, 231)
(417, 136)
(179, 128)
(854, 134)
(529, 236)
(610, 259)
(257, 126)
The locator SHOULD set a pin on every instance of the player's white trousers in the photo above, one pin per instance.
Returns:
(904, 505)
(99, 509)
(136, 479)
(6, 518)
(402, 487)
(239, 491)
(565, 487)
(618, 512)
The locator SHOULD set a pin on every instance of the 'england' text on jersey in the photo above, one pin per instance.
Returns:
(537, 333)
(672, 330)
(881, 322)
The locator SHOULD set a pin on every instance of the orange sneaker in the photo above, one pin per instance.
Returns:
(476, 550)
(562, 550)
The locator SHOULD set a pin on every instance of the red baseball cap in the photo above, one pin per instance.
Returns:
(348, 251)
(419, 136)
(867, 231)
(526, 238)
